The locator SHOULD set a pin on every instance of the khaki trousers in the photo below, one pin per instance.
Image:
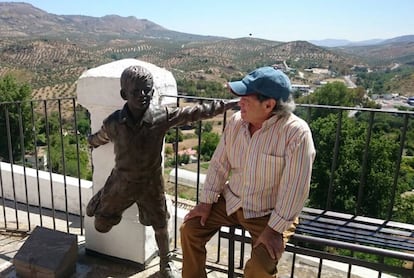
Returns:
(194, 238)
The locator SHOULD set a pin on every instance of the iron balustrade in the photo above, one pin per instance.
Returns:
(21, 133)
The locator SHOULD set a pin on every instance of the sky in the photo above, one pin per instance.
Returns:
(353, 20)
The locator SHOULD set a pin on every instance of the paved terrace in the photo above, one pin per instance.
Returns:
(95, 266)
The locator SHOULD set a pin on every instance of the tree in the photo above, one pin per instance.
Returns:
(68, 166)
(170, 136)
(405, 209)
(382, 154)
(335, 93)
(205, 127)
(209, 142)
(15, 108)
(83, 122)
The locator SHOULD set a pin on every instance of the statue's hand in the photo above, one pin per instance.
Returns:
(91, 142)
(228, 104)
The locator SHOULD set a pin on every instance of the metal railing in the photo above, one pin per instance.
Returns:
(34, 135)
(54, 125)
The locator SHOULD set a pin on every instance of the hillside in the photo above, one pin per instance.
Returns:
(22, 20)
(51, 51)
(393, 52)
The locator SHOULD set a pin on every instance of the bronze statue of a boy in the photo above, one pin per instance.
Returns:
(137, 131)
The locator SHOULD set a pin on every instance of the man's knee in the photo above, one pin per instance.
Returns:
(186, 229)
(183, 229)
(192, 230)
(260, 264)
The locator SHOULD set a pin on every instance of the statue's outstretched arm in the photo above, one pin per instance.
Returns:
(98, 138)
(188, 114)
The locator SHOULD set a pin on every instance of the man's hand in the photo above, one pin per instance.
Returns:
(273, 242)
(201, 210)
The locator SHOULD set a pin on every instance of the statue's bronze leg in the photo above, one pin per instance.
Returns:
(108, 204)
(167, 268)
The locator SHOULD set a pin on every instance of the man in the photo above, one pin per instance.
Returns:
(137, 131)
(266, 155)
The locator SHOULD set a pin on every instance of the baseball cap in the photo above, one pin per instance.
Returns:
(266, 81)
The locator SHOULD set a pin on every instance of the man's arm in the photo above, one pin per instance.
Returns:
(292, 194)
(295, 182)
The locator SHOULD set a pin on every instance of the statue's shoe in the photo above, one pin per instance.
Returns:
(169, 271)
(93, 204)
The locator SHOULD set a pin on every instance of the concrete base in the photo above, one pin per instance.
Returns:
(47, 253)
(129, 240)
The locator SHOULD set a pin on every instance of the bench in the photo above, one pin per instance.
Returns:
(320, 233)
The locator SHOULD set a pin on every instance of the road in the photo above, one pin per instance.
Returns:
(349, 82)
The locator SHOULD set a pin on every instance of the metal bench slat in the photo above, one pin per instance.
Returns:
(341, 230)
(368, 240)
(308, 220)
(317, 213)
(363, 230)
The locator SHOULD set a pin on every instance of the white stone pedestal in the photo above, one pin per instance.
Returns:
(98, 90)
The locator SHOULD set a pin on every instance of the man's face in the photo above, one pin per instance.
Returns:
(254, 111)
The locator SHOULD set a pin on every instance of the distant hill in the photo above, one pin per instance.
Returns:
(29, 35)
(51, 51)
(401, 39)
(376, 51)
(339, 42)
(330, 42)
(371, 42)
(22, 20)
(397, 50)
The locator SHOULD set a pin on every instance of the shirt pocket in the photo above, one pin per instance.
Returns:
(269, 171)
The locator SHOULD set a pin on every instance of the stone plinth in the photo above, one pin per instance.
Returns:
(98, 90)
(47, 253)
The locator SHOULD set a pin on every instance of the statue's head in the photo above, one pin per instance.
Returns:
(137, 86)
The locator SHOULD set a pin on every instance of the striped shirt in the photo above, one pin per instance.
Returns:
(268, 172)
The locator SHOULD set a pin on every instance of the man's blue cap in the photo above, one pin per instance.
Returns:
(266, 81)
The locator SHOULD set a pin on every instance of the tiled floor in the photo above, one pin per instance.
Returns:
(88, 265)
(92, 266)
